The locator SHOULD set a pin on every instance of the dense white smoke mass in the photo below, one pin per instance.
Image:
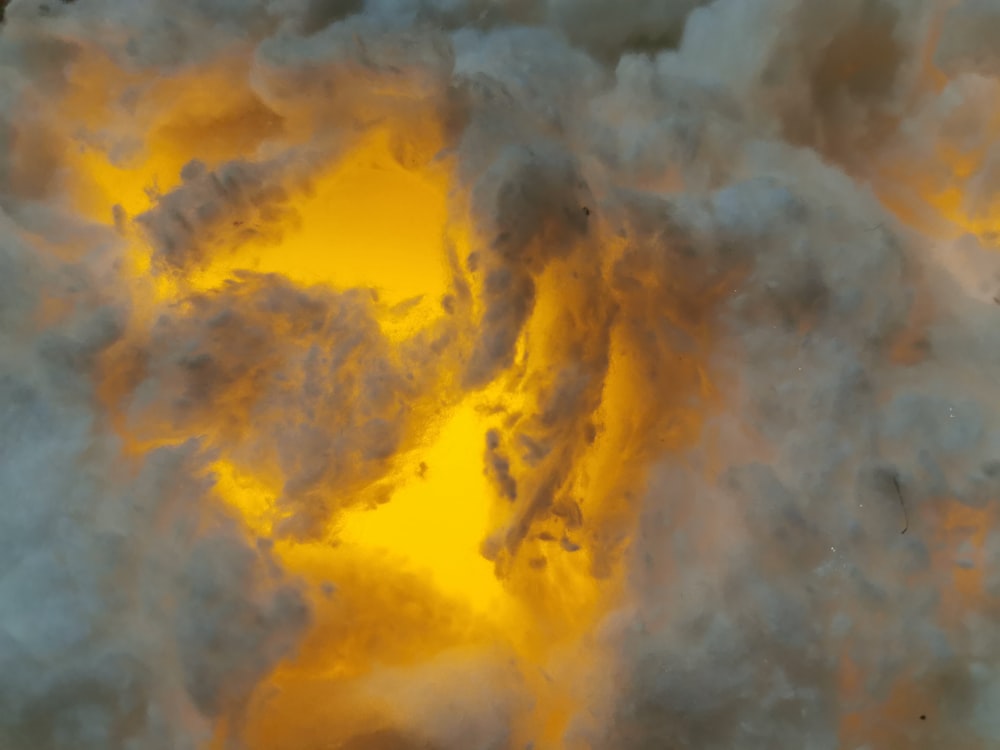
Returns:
(721, 279)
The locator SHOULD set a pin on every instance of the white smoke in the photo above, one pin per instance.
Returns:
(119, 578)
(781, 210)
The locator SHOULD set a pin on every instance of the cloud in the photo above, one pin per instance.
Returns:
(719, 288)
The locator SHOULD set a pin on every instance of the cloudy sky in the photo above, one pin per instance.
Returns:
(499, 375)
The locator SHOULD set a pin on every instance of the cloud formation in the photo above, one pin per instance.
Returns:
(718, 281)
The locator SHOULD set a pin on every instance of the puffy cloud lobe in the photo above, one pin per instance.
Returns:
(232, 206)
(848, 467)
(314, 367)
(159, 36)
(353, 73)
(248, 635)
(964, 45)
(104, 642)
(603, 30)
(532, 204)
(676, 190)
(832, 78)
(483, 701)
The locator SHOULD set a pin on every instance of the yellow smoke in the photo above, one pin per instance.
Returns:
(408, 575)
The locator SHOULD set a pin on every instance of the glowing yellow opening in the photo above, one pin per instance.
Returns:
(436, 520)
(433, 525)
(250, 495)
(371, 223)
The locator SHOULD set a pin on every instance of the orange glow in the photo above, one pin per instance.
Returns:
(894, 721)
(248, 494)
(398, 579)
(314, 351)
(369, 222)
(891, 722)
(961, 526)
(938, 202)
(163, 118)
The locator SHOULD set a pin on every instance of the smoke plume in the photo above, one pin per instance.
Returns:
(504, 375)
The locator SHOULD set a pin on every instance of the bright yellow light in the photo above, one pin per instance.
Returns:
(250, 495)
(168, 121)
(368, 222)
(371, 223)
(435, 522)
(408, 576)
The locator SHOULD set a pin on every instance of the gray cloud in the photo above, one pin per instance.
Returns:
(737, 260)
